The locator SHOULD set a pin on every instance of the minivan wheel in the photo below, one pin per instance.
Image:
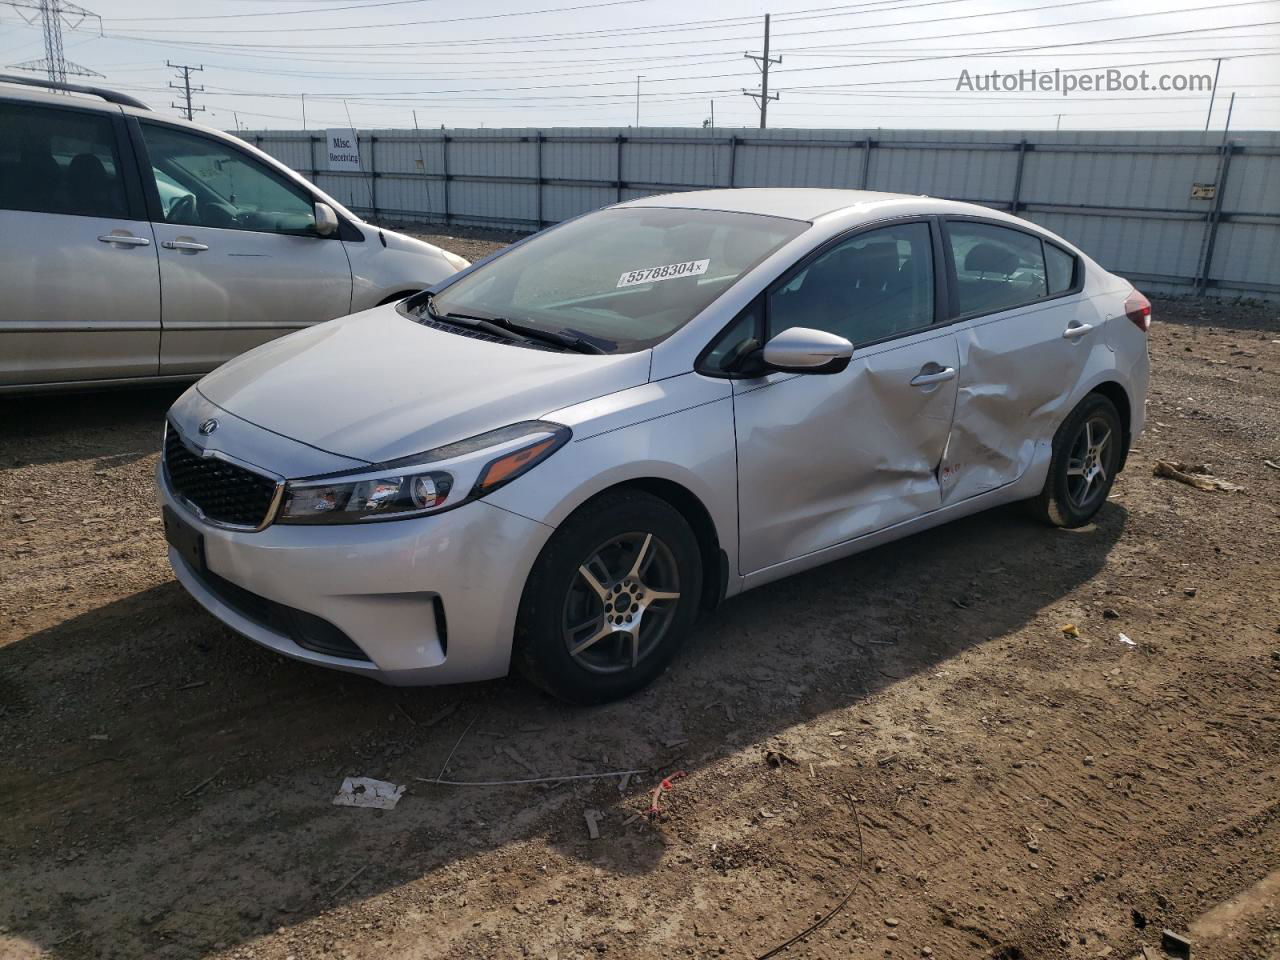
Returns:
(611, 599)
(1087, 452)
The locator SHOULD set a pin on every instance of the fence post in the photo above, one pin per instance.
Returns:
(733, 159)
(538, 187)
(1213, 218)
(1016, 203)
(866, 162)
(619, 181)
(373, 175)
(444, 172)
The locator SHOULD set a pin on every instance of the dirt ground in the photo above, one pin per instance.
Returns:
(907, 738)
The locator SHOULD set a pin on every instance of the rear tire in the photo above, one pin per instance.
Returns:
(611, 599)
(1087, 452)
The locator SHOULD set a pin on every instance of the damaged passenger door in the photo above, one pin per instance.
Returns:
(824, 459)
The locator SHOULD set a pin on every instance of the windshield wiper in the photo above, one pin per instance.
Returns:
(476, 323)
(519, 332)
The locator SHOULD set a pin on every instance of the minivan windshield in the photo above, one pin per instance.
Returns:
(622, 279)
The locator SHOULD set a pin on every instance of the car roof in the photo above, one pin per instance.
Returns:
(797, 203)
(13, 91)
(813, 203)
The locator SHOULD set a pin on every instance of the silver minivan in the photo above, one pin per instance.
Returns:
(136, 248)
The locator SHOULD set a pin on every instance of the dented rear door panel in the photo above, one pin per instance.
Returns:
(826, 458)
(1018, 379)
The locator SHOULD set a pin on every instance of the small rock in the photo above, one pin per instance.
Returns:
(1111, 613)
(891, 921)
(1088, 760)
(1190, 591)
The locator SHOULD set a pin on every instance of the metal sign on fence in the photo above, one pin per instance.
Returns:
(342, 148)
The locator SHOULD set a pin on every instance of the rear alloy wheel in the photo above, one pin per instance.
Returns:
(1087, 451)
(611, 599)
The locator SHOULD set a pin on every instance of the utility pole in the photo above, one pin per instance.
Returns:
(639, 76)
(187, 70)
(304, 111)
(1212, 94)
(52, 15)
(762, 96)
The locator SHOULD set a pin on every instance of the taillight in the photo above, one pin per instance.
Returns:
(1138, 309)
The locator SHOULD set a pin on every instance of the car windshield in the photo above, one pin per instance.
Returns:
(623, 278)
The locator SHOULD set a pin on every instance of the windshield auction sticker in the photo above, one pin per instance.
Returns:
(672, 271)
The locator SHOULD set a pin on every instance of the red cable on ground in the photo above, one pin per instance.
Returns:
(661, 788)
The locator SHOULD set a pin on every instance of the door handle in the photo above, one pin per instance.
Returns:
(935, 376)
(1077, 330)
(184, 245)
(125, 240)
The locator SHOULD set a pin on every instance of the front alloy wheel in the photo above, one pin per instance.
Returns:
(620, 606)
(611, 598)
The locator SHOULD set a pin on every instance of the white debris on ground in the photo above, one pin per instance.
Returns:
(364, 792)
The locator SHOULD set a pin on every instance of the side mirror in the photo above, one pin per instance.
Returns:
(326, 220)
(801, 350)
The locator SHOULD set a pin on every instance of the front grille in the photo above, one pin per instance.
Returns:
(224, 492)
(305, 629)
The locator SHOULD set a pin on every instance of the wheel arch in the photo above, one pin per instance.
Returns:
(715, 561)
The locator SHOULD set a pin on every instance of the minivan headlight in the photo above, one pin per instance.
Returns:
(455, 261)
(429, 482)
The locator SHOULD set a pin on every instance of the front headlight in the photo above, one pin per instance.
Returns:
(429, 482)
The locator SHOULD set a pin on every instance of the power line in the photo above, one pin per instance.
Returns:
(389, 94)
(186, 70)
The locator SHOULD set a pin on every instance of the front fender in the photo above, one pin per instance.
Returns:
(678, 430)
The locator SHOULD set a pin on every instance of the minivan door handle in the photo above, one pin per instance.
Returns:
(184, 245)
(1076, 330)
(933, 373)
(125, 239)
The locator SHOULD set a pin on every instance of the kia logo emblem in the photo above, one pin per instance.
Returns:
(208, 426)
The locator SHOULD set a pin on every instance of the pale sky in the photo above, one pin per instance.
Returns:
(545, 63)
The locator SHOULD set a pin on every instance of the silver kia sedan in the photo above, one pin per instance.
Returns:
(561, 456)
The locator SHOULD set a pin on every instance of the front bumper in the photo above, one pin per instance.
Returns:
(384, 585)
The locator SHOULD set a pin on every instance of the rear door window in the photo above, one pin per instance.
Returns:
(1061, 269)
(60, 161)
(996, 268)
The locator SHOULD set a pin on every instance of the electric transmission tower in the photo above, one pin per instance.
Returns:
(764, 61)
(54, 14)
(186, 88)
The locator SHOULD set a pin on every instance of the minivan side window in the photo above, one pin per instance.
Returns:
(874, 285)
(60, 161)
(996, 267)
(205, 183)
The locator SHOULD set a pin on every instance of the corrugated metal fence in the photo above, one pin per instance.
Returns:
(1175, 212)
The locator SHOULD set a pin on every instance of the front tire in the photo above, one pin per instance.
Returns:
(612, 598)
(1087, 453)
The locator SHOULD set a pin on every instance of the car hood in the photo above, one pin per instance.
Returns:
(377, 385)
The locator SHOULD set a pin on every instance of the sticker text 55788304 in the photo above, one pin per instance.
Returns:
(672, 271)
